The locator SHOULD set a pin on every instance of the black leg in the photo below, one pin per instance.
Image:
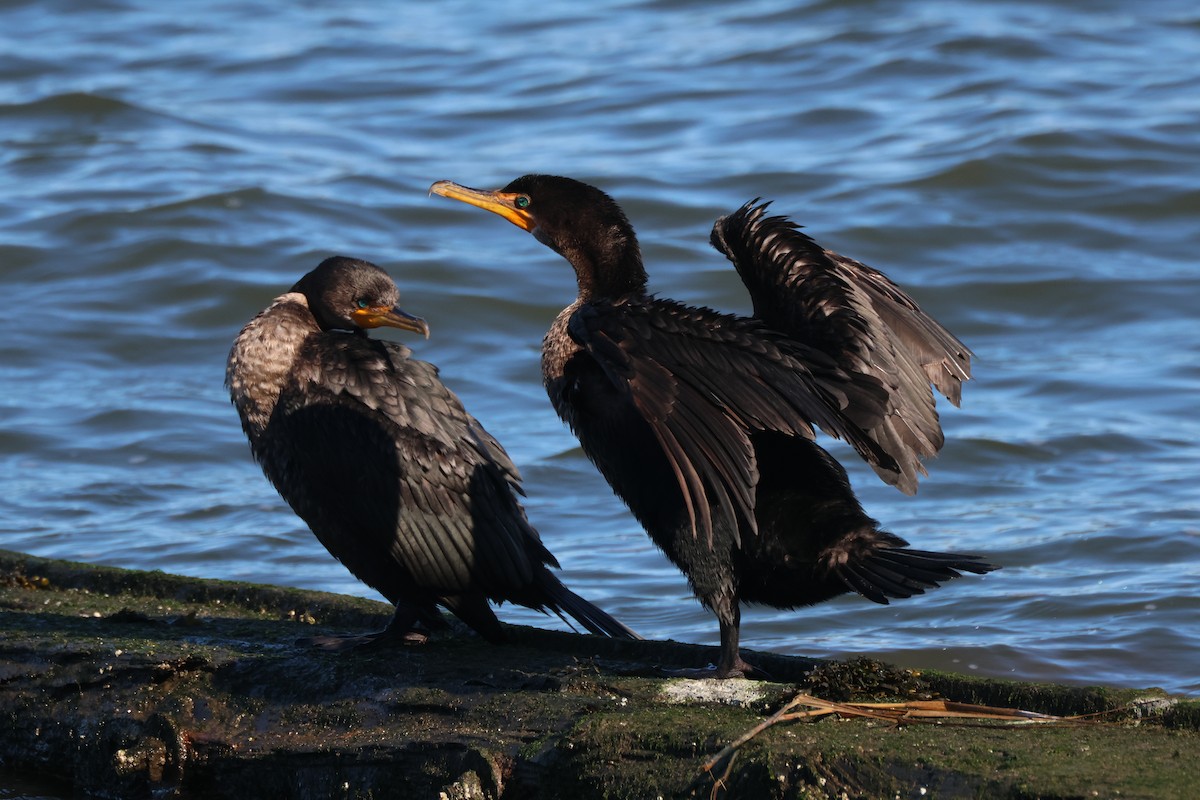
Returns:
(730, 664)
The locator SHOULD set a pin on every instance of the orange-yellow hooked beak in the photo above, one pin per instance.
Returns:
(502, 203)
(384, 317)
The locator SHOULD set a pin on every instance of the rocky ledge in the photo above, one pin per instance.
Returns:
(133, 684)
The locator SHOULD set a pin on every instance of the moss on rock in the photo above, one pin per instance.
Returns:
(140, 684)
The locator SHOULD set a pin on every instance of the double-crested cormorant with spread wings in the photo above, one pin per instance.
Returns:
(703, 422)
(382, 461)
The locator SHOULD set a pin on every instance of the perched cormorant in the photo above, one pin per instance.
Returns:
(702, 422)
(382, 461)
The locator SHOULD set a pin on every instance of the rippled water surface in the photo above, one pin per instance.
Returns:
(1030, 171)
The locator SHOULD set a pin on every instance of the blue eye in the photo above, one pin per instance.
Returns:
(362, 303)
(522, 201)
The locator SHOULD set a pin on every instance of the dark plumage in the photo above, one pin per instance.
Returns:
(703, 422)
(382, 461)
(856, 315)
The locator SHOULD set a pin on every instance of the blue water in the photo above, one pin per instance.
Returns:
(1030, 171)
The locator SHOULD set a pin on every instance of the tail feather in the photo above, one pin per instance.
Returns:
(970, 563)
(868, 581)
(901, 576)
(895, 573)
(928, 575)
(587, 614)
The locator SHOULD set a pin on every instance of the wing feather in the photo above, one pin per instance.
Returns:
(393, 456)
(704, 382)
(859, 318)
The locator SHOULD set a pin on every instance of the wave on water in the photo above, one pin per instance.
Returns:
(1028, 171)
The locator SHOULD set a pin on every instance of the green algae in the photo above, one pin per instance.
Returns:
(139, 684)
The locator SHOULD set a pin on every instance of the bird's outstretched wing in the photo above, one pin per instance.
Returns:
(858, 317)
(705, 382)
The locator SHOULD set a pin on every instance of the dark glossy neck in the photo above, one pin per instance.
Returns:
(608, 269)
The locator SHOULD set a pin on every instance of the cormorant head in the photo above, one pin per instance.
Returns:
(349, 294)
(576, 220)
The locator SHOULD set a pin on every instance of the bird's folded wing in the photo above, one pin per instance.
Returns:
(438, 490)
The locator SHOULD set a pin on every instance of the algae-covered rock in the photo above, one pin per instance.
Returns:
(141, 684)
